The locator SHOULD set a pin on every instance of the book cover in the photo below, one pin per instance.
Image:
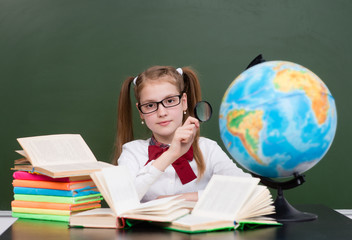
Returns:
(41, 211)
(53, 192)
(58, 199)
(41, 216)
(57, 206)
(23, 175)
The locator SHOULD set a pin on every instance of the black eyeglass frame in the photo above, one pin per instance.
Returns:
(160, 102)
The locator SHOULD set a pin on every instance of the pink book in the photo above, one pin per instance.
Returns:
(39, 177)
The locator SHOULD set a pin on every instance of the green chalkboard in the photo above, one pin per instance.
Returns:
(62, 64)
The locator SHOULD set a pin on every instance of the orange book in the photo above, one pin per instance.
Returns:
(52, 185)
(56, 206)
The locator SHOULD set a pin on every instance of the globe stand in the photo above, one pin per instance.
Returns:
(285, 212)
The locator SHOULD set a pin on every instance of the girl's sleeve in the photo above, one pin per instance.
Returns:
(134, 159)
(222, 164)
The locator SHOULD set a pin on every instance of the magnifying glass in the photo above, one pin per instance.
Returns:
(203, 111)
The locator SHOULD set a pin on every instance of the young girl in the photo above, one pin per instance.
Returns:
(175, 159)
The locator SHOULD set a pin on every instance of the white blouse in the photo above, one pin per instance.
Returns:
(151, 182)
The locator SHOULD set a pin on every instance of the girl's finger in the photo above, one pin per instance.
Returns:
(191, 120)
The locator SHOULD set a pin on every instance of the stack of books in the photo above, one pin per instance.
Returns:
(52, 178)
(42, 197)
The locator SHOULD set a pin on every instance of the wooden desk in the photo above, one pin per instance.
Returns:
(329, 225)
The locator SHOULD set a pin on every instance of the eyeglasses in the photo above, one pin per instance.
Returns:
(154, 106)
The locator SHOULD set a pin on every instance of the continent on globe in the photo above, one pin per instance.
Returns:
(246, 125)
(288, 80)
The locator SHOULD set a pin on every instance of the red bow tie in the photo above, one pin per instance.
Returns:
(181, 165)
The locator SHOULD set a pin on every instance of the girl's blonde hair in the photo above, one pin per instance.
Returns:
(186, 83)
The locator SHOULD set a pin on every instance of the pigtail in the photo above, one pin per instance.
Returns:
(193, 90)
(124, 119)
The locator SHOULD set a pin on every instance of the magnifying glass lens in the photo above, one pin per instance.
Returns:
(203, 111)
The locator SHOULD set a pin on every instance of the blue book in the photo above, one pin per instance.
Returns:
(53, 192)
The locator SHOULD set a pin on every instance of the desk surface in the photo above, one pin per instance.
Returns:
(329, 225)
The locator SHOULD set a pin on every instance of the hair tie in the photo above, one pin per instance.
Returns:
(135, 81)
(180, 71)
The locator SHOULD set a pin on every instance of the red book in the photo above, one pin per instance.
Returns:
(39, 177)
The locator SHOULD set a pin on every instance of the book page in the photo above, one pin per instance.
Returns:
(258, 203)
(224, 196)
(158, 205)
(76, 167)
(22, 161)
(96, 211)
(177, 213)
(98, 179)
(22, 153)
(56, 149)
(121, 188)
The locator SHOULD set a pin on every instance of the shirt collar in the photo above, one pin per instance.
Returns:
(153, 142)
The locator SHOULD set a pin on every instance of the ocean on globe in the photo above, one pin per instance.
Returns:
(277, 119)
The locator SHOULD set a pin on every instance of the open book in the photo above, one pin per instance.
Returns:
(228, 202)
(61, 155)
(118, 189)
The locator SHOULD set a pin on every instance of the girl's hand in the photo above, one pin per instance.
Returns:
(183, 137)
(181, 142)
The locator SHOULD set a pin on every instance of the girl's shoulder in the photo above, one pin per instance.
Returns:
(208, 145)
(136, 144)
(207, 142)
(211, 148)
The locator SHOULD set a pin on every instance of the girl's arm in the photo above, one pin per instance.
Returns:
(219, 162)
(192, 196)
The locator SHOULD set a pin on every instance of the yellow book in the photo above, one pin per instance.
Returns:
(41, 211)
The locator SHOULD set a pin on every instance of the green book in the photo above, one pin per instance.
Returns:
(221, 226)
(41, 216)
(228, 203)
(56, 199)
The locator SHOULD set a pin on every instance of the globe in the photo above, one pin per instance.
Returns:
(277, 119)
